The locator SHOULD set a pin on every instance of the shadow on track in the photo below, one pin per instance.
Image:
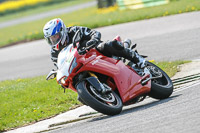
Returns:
(137, 108)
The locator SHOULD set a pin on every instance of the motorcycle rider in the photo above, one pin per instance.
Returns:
(59, 36)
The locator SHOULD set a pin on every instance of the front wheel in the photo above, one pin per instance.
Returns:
(162, 87)
(109, 103)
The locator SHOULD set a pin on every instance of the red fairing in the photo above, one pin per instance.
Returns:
(127, 81)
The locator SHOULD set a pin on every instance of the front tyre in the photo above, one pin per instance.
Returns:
(109, 103)
(162, 87)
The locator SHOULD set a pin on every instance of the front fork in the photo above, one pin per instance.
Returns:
(94, 81)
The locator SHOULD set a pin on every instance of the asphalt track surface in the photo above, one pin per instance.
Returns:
(168, 38)
(177, 114)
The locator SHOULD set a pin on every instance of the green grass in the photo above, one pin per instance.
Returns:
(40, 9)
(91, 17)
(171, 68)
(25, 101)
(29, 100)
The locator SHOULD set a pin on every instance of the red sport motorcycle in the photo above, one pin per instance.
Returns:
(106, 84)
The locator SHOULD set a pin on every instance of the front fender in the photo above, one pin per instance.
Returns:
(94, 82)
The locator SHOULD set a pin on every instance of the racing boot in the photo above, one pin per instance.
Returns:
(134, 57)
(128, 53)
(141, 61)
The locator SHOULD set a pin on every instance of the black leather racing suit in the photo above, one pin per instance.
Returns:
(110, 48)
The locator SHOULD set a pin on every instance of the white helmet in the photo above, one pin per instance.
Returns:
(55, 33)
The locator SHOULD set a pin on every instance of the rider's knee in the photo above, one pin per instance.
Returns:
(117, 45)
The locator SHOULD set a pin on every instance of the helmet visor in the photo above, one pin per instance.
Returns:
(55, 39)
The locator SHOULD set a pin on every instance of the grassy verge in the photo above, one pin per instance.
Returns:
(93, 18)
(171, 68)
(40, 9)
(25, 101)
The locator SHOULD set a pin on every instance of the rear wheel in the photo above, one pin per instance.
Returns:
(109, 103)
(162, 87)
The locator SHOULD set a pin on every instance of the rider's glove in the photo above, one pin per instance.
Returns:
(91, 42)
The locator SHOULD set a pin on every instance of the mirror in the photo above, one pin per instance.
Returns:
(51, 75)
(77, 37)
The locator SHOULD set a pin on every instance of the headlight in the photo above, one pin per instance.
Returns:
(63, 79)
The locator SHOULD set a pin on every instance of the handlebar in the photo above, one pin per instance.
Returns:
(85, 49)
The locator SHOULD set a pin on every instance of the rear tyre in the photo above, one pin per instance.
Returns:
(109, 104)
(161, 88)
